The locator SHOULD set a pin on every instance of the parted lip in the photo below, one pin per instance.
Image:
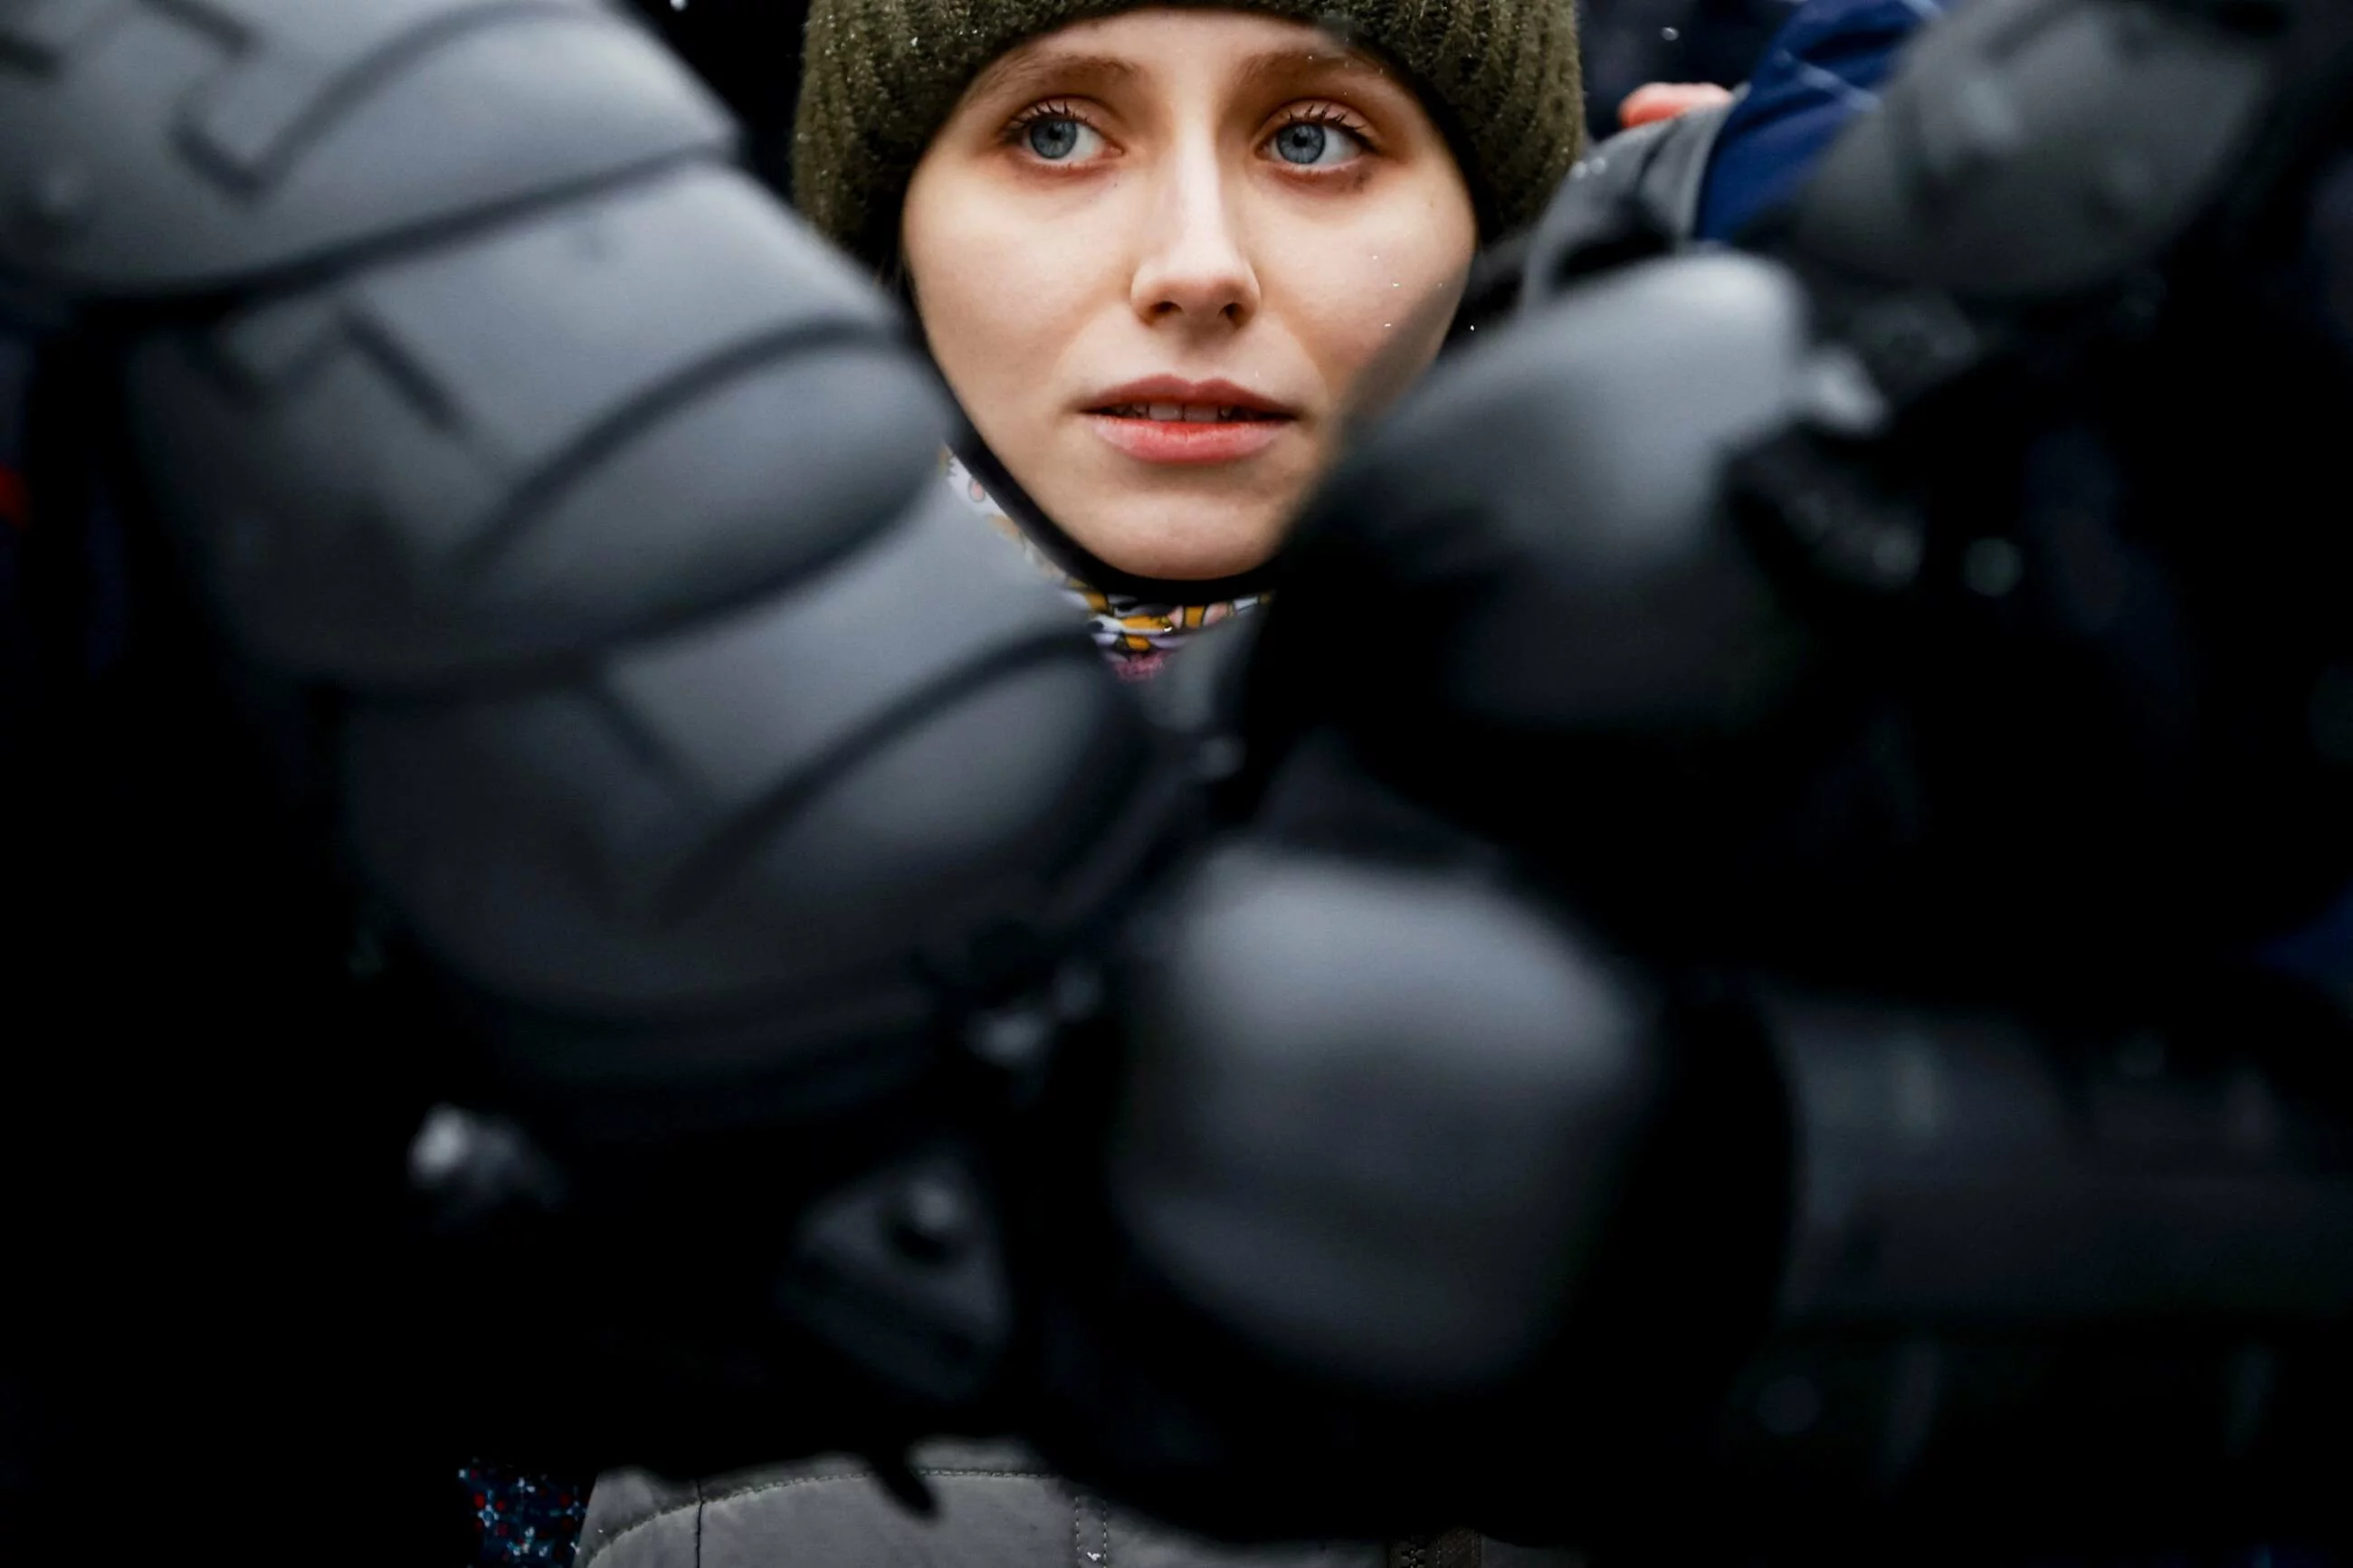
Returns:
(1176, 389)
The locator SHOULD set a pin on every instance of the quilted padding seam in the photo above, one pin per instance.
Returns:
(702, 1498)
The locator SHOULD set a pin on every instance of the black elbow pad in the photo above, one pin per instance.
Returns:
(679, 713)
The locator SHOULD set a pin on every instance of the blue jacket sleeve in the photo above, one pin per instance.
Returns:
(1822, 68)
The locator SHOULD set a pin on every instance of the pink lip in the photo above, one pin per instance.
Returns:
(1186, 441)
(1182, 441)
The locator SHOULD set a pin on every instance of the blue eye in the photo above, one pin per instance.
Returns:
(1313, 144)
(1057, 139)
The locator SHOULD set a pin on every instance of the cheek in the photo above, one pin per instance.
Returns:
(998, 299)
(1374, 302)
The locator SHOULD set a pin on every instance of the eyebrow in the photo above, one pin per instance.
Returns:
(1287, 66)
(1027, 72)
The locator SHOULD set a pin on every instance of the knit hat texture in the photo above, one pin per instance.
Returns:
(880, 77)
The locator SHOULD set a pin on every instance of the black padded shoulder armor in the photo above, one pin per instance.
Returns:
(687, 720)
(595, 418)
(762, 865)
(2029, 148)
(149, 148)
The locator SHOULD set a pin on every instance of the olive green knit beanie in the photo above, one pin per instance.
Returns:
(880, 77)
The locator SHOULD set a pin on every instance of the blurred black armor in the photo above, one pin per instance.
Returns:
(579, 907)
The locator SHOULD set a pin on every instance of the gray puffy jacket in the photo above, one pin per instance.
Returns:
(998, 1507)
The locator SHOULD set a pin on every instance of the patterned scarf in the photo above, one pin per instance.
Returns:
(1137, 635)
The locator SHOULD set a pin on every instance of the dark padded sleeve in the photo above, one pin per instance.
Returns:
(2024, 153)
(2102, 1279)
(1322, 1040)
(1554, 506)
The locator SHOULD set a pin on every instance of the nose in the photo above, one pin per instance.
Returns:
(1194, 269)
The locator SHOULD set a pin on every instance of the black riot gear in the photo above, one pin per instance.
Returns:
(1749, 994)
(444, 375)
(1941, 677)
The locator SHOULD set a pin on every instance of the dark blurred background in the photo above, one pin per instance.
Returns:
(750, 53)
(1630, 42)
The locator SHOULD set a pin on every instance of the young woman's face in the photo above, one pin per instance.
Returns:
(1163, 259)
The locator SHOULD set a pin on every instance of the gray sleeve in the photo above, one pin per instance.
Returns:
(998, 1507)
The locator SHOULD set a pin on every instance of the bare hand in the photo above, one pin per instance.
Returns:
(1665, 99)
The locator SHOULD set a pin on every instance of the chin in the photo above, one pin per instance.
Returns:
(1183, 564)
(1186, 543)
